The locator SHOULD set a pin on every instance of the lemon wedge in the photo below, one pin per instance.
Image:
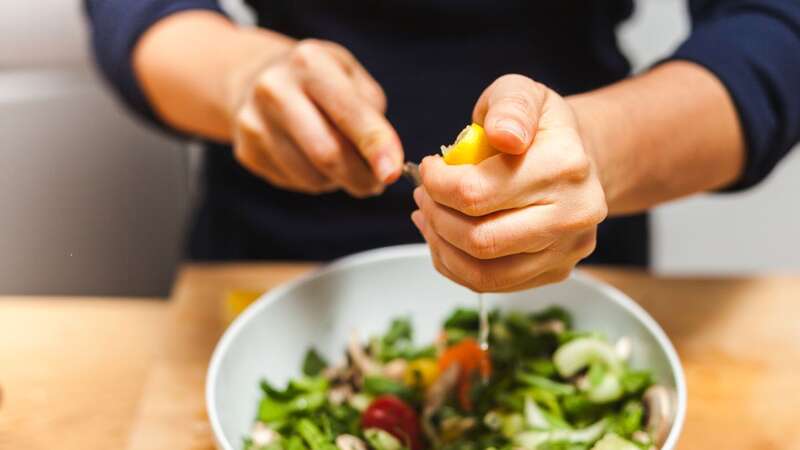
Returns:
(471, 147)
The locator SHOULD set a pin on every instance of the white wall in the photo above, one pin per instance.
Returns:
(90, 202)
(93, 203)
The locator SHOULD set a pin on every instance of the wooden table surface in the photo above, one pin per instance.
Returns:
(84, 374)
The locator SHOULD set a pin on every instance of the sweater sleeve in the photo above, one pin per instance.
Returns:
(116, 26)
(753, 47)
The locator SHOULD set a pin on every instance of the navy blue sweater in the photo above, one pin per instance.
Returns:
(423, 55)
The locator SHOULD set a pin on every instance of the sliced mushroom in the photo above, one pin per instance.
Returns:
(659, 403)
(437, 393)
(624, 347)
(350, 442)
(262, 435)
(395, 369)
(554, 326)
(335, 373)
(340, 394)
(435, 397)
(641, 437)
(362, 362)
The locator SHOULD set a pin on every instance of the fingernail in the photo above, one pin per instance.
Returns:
(385, 167)
(512, 127)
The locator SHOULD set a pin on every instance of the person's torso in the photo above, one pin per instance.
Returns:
(433, 58)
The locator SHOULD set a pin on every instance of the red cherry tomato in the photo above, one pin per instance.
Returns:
(396, 417)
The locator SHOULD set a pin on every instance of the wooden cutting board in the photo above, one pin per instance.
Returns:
(738, 338)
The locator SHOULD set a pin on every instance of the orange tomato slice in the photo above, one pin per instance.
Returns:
(471, 360)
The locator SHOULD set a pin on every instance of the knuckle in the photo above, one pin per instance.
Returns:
(600, 211)
(471, 195)
(267, 88)
(482, 242)
(305, 52)
(587, 246)
(582, 221)
(573, 161)
(327, 158)
(378, 98)
(248, 128)
(370, 140)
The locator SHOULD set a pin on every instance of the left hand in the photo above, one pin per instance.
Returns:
(522, 218)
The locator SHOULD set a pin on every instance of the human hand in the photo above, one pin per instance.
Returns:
(312, 120)
(521, 218)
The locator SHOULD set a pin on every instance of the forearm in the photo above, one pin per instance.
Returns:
(662, 135)
(191, 66)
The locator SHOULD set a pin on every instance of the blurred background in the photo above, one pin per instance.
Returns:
(94, 203)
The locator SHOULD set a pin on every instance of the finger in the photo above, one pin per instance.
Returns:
(325, 148)
(552, 276)
(296, 167)
(507, 181)
(492, 185)
(509, 110)
(360, 122)
(527, 230)
(248, 152)
(295, 170)
(419, 222)
(508, 273)
(490, 275)
(365, 83)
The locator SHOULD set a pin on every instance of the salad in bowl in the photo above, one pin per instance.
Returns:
(542, 385)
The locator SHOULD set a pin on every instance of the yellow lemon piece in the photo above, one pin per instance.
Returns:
(421, 372)
(471, 147)
(237, 301)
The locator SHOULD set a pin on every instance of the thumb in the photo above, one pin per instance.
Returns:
(509, 110)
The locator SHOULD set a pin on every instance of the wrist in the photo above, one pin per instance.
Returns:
(595, 123)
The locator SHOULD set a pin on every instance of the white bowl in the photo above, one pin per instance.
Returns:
(365, 291)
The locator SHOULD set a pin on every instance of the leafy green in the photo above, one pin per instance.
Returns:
(541, 366)
(464, 319)
(553, 313)
(313, 436)
(378, 385)
(381, 440)
(549, 390)
(546, 384)
(634, 382)
(612, 441)
(629, 420)
(313, 363)
(398, 343)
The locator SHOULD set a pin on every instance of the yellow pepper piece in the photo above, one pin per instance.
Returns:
(421, 372)
(237, 301)
(471, 147)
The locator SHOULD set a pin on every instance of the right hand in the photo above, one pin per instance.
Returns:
(312, 120)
